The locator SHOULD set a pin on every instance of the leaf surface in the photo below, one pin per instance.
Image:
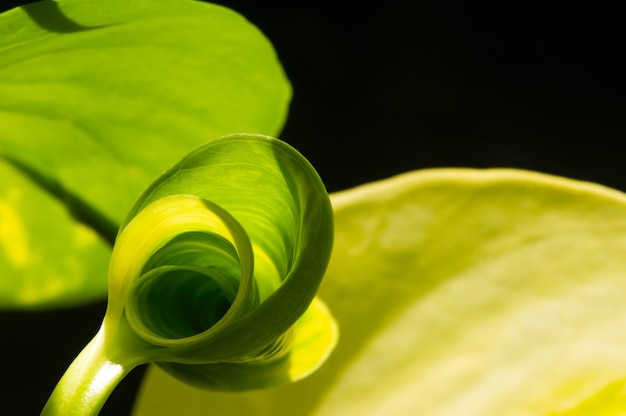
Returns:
(457, 292)
(100, 97)
(218, 263)
(36, 271)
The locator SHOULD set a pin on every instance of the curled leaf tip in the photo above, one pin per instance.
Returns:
(216, 267)
(213, 277)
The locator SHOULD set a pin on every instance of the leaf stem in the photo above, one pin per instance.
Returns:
(88, 382)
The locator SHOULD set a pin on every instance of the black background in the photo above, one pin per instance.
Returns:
(380, 89)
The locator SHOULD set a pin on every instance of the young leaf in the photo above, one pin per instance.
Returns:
(495, 292)
(213, 276)
(98, 98)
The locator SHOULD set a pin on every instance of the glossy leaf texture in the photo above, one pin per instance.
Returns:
(99, 98)
(460, 292)
(218, 261)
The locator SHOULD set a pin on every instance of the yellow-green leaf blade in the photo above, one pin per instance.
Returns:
(463, 292)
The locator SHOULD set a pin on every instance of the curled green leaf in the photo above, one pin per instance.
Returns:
(214, 273)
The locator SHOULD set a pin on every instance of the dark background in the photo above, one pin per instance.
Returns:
(383, 89)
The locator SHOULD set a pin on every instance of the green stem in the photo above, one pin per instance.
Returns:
(88, 381)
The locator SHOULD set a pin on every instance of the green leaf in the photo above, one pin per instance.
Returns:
(270, 215)
(460, 292)
(100, 97)
(213, 276)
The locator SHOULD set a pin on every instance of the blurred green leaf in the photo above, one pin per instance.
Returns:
(44, 252)
(100, 97)
(459, 292)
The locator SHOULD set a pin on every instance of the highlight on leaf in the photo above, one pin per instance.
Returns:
(214, 273)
